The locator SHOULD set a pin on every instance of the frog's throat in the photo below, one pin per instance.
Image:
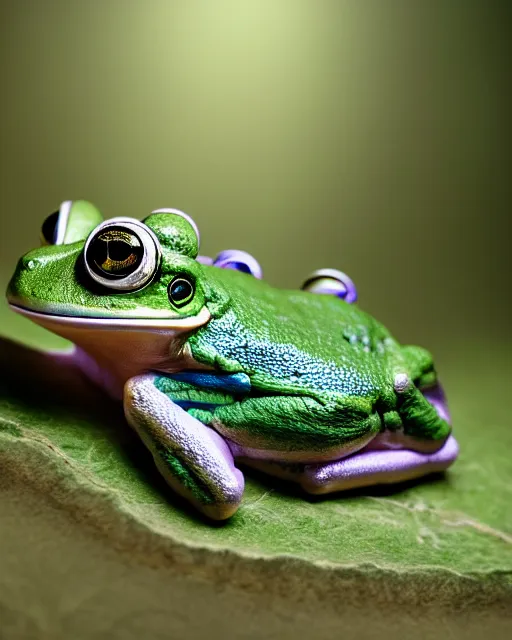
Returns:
(125, 347)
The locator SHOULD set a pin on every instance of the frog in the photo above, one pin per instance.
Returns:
(218, 371)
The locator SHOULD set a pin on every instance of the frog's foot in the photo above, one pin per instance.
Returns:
(423, 413)
(362, 469)
(195, 460)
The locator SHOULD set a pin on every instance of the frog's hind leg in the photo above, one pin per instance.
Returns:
(423, 446)
(194, 460)
(362, 469)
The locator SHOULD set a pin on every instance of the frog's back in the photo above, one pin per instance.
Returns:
(286, 339)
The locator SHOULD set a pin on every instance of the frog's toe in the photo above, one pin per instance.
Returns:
(401, 382)
(436, 396)
(422, 414)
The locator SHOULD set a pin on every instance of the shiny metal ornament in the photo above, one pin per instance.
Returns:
(131, 275)
(239, 261)
(332, 282)
(73, 221)
(54, 227)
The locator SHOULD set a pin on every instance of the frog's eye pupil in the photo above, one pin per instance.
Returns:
(115, 253)
(181, 291)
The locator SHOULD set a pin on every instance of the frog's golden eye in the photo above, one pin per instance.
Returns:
(122, 254)
(115, 253)
(181, 291)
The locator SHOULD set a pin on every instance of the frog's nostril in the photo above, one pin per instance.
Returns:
(30, 264)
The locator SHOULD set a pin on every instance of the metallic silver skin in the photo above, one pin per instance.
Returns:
(150, 260)
(207, 474)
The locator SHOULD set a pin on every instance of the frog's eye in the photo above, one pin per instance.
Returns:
(122, 254)
(333, 282)
(72, 222)
(180, 291)
(240, 261)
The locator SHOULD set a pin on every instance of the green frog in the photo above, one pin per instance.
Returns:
(217, 369)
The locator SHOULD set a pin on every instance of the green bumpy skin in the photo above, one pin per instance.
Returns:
(322, 371)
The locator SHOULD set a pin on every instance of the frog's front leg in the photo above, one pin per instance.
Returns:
(195, 460)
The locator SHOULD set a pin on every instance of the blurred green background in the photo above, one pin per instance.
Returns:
(367, 136)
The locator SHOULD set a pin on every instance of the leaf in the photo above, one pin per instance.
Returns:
(448, 536)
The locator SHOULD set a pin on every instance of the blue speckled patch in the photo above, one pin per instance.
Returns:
(235, 383)
(284, 364)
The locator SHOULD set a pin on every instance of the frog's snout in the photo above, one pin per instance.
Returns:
(30, 264)
(20, 283)
(39, 275)
(18, 280)
(31, 281)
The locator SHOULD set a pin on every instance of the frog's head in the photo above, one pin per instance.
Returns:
(116, 274)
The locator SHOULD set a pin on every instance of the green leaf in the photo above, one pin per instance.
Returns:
(447, 535)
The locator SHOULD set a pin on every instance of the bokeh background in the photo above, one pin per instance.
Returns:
(369, 136)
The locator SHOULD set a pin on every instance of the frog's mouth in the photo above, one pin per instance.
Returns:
(60, 323)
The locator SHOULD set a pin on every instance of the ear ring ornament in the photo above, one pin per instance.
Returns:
(239, 261)
(331, 282)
